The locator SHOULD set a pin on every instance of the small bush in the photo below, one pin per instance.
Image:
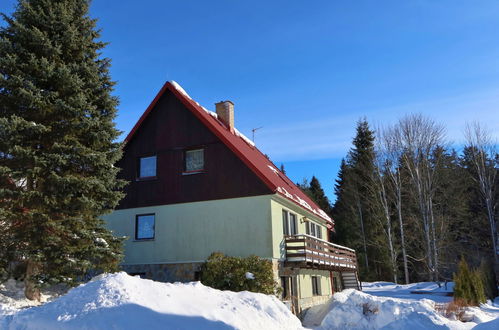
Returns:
(456, 309)
(230, 273)
(468, 285)
(489, 280)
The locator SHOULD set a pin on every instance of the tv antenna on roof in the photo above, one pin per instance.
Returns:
(253, 131)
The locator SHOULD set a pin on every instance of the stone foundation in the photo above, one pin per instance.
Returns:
(182, 272)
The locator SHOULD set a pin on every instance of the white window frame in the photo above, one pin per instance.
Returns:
(314, 229)
(290, 223)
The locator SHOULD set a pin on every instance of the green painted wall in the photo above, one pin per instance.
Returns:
(305, 282)
(279, 203)
(192, 231)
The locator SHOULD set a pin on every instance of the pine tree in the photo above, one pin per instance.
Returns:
(57, 143)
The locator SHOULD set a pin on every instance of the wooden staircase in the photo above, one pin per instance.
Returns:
(351, 280)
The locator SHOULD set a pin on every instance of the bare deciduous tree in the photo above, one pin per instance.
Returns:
(392, 154)
(483, 156)
(381, 192)
(418, 137)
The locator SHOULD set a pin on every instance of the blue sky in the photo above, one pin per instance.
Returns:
(308, 70)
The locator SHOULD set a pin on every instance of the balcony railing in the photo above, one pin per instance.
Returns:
(310, 252)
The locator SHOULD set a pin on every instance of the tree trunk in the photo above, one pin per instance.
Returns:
(31, 291)
(402, 236)
(436, 274)
(359, 208)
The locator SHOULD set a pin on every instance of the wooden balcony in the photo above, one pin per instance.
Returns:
(306, 251)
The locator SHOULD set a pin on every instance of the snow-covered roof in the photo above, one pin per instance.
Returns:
(243, 147)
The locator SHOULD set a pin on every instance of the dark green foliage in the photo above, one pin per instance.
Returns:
(489, 279)
(468, 285)
(57, 142)
(229, 273)
(457, 210)
(316, 193)
(356, 213)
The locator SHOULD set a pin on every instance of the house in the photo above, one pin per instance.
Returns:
(197, 186)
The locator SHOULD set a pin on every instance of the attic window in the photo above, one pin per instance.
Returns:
(147, 167)
(194, 161)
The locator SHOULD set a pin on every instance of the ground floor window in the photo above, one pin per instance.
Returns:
(316, 288)
(144, 226)
(336, 282)
(288, 284)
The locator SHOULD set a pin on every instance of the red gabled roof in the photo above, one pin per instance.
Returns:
(242, 147)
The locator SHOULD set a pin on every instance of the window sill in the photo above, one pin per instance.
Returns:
(147, 178)
(144, 240)
(193, 172)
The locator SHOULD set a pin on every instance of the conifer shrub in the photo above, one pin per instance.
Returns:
(238, 274)
(489, 279)
(468, 286)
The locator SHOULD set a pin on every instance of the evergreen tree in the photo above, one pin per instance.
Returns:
(489, 279)
(57, 143)
(347, 230)
(319, 196)
(283, 170)
(316, 193)
(354, 211)
(468, 285)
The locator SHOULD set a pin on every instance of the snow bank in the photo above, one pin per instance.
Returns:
(120, 301)
(351, 309)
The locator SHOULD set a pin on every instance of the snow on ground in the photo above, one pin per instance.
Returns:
(385, 305)
(427, 290)
(12, 296)
(120, 301)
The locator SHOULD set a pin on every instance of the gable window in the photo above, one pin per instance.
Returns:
(194, 160)
(314, 229)
(144, 226)
(289, 224)
(147, 167)
(316, 286)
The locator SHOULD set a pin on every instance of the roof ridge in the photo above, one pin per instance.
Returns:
(245, 149)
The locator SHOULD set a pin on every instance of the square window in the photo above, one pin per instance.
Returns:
(194, 160)
(147, 167)
(144, 226)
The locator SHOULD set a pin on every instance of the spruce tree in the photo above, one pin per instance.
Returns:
(347, 229)
(57, 146)
(354, 211)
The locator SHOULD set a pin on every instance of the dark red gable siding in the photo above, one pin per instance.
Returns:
(167, 131)
(259, 164)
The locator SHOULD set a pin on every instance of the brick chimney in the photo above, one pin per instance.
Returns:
(225, 112)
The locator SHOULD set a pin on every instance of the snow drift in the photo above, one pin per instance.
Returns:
(120, 301)
(351, 309)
